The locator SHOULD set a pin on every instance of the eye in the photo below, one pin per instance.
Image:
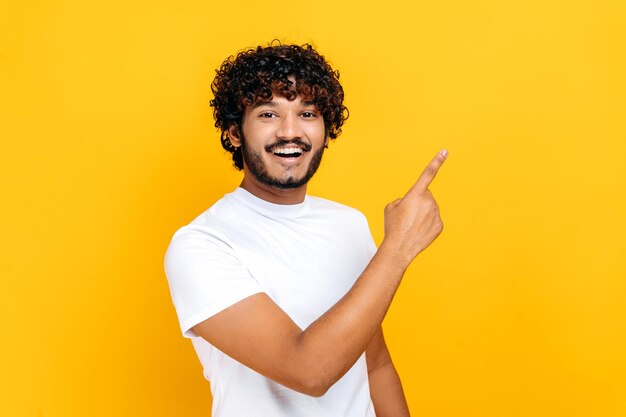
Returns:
(266, 115)
(309, 114)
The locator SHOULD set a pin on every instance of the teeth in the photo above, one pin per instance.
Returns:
(287, 151)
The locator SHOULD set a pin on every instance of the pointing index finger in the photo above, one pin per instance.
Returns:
(429, 173)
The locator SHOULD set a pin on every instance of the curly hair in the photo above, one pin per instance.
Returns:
(255, 74)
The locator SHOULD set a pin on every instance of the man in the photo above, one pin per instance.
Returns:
(281, 293)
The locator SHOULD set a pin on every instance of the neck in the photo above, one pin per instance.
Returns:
(273, 194)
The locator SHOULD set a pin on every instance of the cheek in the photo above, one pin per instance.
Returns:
(256, 134)
(316, 132)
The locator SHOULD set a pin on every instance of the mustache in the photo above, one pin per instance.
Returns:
(298, 142)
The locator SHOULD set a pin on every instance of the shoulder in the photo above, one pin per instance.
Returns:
(340, 217)
(346, 222)
(338, 209)
(206, 231)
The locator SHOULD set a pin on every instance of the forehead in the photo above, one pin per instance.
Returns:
(278, 100)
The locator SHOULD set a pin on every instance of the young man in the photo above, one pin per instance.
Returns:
(283, 294)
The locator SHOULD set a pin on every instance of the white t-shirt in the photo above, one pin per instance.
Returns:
(305, 257)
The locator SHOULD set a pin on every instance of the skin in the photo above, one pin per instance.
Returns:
(258, 334)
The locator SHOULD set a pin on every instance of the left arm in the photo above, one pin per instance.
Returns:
(385, 386)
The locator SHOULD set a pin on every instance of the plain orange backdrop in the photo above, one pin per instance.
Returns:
(108, 146)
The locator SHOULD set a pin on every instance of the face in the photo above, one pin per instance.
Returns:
(282, 142)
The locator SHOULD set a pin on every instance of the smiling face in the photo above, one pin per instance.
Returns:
(282, 143)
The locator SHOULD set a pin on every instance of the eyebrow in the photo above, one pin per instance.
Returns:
(264, 103)
(273, 104)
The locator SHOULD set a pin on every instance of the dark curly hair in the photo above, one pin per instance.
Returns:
(254, 74)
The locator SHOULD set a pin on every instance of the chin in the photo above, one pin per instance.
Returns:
(288, 183)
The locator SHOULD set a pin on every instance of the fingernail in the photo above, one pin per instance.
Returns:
(444, 153)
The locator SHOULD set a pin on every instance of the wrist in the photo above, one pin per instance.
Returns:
(393, 252)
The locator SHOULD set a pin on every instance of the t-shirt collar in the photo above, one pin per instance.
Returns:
(268, 208)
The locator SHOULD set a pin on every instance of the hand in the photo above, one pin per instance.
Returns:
(413, 222)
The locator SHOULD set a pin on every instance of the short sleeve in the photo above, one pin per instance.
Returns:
(371, 245)
(369, 239)
(204, 277)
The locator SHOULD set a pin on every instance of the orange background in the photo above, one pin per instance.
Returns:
(108, 146)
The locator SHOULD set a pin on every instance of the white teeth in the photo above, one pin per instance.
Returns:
(287, 151)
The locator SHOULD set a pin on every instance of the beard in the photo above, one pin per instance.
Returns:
(255, 165)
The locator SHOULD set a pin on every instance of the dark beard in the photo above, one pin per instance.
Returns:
(255, 165)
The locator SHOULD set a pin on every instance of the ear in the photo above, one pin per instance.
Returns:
(233, 136)
(326, 140)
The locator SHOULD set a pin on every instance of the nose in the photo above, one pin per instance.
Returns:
(289, 127)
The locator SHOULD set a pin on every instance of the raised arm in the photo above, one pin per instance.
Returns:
(258, 334)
